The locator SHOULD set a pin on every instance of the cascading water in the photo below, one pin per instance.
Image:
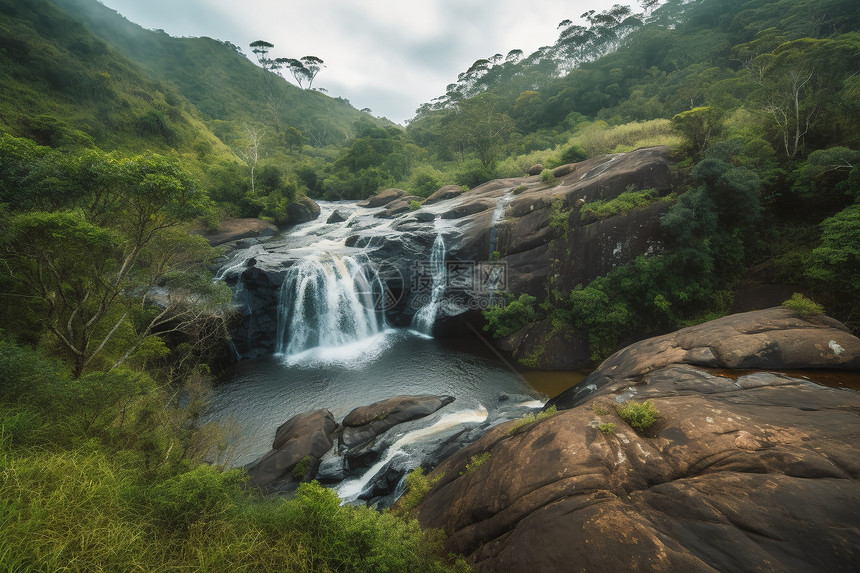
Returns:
(426, 316)
(327, 301)
(498, 213)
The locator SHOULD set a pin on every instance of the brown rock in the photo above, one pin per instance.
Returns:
(364, 424)
(564, 170)
(445, 193)
(535, 169)
(383, 198)
(305, 435)
(465, 209)
(756, 474)
(302, 211)
(235, 229)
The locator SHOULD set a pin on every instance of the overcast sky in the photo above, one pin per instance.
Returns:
(387, 55)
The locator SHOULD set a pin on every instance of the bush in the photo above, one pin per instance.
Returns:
(639, 415)
(625, 203)
(802, 306)
(476, 461)
(505, 320)
(607, 428)
(417, 487)
(547, 177)
(414, 205)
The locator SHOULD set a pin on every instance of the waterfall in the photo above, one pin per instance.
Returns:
(498, 213)
(327, 301)
(425, 318)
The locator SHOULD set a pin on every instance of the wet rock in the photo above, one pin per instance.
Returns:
(302, 211)
(299, 442)
(336, 217)
(383, 198)
(364, 424)
(754, 472)
(465, 209)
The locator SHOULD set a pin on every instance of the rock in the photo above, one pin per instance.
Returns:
(424, 217)
(336, 217)
(364, 424)
(237, 229)
(395, 208)
(383, 198)
(564, 170)
(774, 338)
(445, 193)
(309, 435)
(302, 211)
(549, 350)
(535, 169)
(465, 209)
(756, 471)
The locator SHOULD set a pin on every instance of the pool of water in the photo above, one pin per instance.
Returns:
(259, 395)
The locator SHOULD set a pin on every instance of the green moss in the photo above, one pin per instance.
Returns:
(301, 469)
(414, 205)
(625, 203)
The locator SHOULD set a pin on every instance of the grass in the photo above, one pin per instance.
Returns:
(531, 418)
(600, 410)
(639, 415)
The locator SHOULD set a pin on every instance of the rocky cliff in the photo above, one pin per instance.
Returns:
(745, 470)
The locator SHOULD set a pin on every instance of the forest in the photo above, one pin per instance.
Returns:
(116, 142)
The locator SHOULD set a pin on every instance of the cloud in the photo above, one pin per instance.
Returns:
(388, 55)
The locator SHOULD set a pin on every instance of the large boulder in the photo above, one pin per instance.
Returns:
(363, 425)
(445, 193)
(302, 211)
(299, 442)
(743, 471)
(383, 198)
(236, 229)
(774, 338)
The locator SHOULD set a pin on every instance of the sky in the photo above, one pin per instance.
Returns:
(387, 55)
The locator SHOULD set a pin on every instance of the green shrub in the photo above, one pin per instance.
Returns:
(625, 203)
(202, 494)
(505, 320)
(640, 415)
(301, 468)
(519, 189)
(476, 461)
(802, 306)
(573, 153)
(607, 428)
(547, 177)
(531, 419)
(418, 486)
(414, 205)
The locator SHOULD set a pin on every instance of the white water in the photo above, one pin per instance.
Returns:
(426, 316)
(327, 301)
(498, 213)
(351, 489)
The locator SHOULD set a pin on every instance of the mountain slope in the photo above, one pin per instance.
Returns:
(219, 79)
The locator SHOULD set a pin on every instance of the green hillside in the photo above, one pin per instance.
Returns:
(219, 79)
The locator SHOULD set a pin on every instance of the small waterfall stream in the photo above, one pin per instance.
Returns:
(498, 213)
(425, 318)
(327, 301)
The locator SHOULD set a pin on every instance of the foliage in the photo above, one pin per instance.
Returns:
(546, 177)
(607, 428)
(530, 418)
(640, 415)
(625, 203)
(476, 461)
(505, 320)
(802, 306)
(418, 485)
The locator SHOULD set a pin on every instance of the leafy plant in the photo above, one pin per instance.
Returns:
(547, 177)
(418, 485)
(414, 205)
(301, 468)
(639, 415)
(607, 428)
(802, 306)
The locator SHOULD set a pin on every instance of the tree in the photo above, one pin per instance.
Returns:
(250, 151)
(698, 125)
(84, 269)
